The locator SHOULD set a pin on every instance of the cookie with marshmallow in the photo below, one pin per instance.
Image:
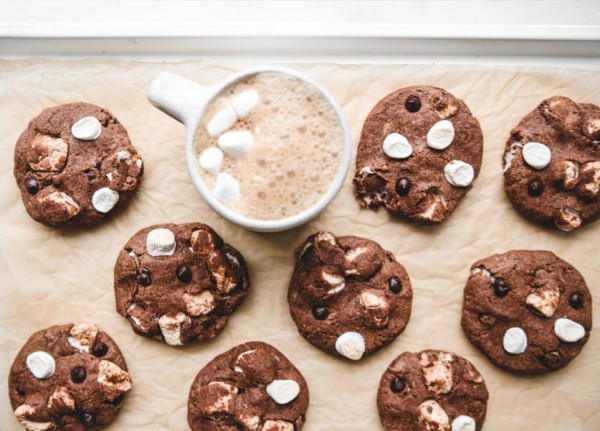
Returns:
(528, 311)
(419, 153)
(348, 296)
(252, 386)
(179, 283)
(432, 390)
(75, 166)
(68, 377)
(552, 164)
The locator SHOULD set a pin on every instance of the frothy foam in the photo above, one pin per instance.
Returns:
(297, 149)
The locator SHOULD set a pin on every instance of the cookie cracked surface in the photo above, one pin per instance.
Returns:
(252, 387)
(528, 311)
(419, 152)
(75, 165)
(68, 377)
(179, 282)
(348, 296)
(431, 390)
(552, 164)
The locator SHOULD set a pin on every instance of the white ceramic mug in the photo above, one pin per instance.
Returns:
(186, 101)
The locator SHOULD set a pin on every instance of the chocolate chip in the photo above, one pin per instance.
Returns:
(78, 374)
(91, 175)
(117, 401)
(551, 359)
(403, 186)
(241, 390)
(184, 274)
(145, 277)
(576, 300)
(395, 284)
(501, 289)
(412, 104)
(88, 419)
(320, 313)
(99, 349)
(373, 183)
(535, 188)
(398, 385)
(32, 186)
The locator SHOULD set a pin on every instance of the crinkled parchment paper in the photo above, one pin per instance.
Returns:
(50, 277)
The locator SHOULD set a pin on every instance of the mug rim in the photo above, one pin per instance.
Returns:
(248, 222)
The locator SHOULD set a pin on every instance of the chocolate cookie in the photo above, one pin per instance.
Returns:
(431, 391)
(75, 165)
(419, 152)
(68, 377)
(552, 164)
(252, 387)
(528, 311)
(348, 296)
(179, 282)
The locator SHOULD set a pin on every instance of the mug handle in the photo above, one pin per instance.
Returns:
(178, 97)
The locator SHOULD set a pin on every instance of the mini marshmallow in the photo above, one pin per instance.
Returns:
(227, 188)
(433, 416)
(211, 159)
(87, 129)
(160, 242)
(24, 412)
(105, 199)
(222, 121)
(351, 345)
(170, 326)
(397, 146)
(83, 336)
(515, 341)
(245, 102)
(459, 173)
(537, 155)
(283, 391)
(441, 135)
(464, 423)
(236, 142)
(568, 331)
(41, 364)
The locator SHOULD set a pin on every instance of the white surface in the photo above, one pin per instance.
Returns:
(512, 19)
(513, 32)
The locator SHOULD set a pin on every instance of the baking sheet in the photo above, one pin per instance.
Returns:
(49, 277)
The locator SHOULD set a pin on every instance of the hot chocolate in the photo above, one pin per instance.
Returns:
(270, 146)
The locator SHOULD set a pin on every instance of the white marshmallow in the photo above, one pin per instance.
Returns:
(104, 199)
(537, 155)
(41, 364)
(397, 146)
(283, 391)
(441, 135)
(464, 423)
(170, 326)
(459, 173)
(24, 412)
(245, 102)
(87, 129)
(222, 121)
(351, 345)
(211, 159)
(515, 341)
(227, 188)
(568, 331)
(160, 242)
(236, 142)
